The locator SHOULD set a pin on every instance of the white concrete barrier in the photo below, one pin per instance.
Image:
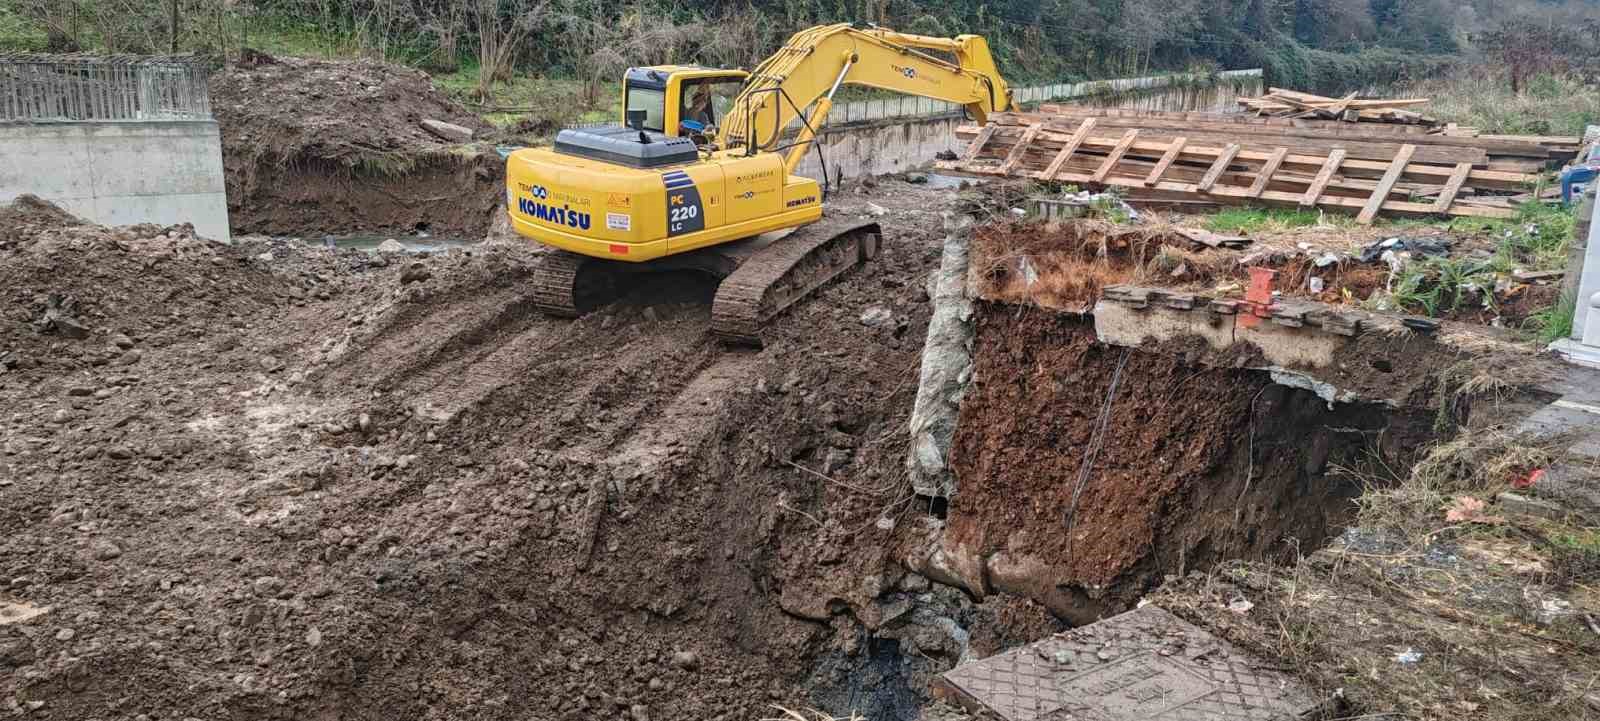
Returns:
(879, 137)
(120, 172)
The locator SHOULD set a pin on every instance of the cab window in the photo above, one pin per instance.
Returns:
(654, 104)
(707, 100)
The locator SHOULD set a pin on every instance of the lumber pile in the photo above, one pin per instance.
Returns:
(1292, 104)
(1240, 160)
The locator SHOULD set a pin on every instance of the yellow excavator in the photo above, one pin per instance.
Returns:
(700, 174)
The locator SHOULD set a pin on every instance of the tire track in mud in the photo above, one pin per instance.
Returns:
(410, 338)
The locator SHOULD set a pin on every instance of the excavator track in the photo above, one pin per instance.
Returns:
(568, 285)
(771, 279)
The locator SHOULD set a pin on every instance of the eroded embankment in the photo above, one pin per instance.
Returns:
(321, 146)
(1087, 472)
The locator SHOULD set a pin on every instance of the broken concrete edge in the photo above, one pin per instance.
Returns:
(946, 365)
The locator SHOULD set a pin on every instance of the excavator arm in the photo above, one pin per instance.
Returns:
(795, 86)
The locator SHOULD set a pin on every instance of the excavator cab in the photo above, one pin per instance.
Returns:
(680, 100)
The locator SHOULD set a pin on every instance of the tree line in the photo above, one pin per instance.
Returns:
(1324, 45)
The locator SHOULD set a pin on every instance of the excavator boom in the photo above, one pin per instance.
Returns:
(804, 74)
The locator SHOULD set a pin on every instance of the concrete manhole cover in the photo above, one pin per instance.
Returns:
(1143, 664)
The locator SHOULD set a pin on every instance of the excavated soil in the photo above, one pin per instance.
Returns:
(274, 481)
(335, 146)
(1193, 464)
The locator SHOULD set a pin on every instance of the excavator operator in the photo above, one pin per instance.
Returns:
(698, 111)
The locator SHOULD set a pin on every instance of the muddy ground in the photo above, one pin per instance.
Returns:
(275, 481)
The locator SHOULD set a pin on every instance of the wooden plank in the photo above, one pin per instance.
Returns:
(1167, 159)
(1452, 188)
(1331, 166)
(977, 143)
(1068, 149)
(1379, 196)
(1021, 148)
(1217, 168)
(1310, 162)
(1360, 140)
(1265, 176)
(1237, 195)
(1116, 155)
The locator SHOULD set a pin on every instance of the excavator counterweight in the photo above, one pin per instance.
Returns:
(700, 174)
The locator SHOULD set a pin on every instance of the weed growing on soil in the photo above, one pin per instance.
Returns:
(1554, 323)
(1252, 220)
(544, 103)
(1475, 463)
(1535, 240)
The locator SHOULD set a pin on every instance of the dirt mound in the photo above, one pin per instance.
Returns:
(89, 296)
(28, 216)
(331, 146)
(422, 499)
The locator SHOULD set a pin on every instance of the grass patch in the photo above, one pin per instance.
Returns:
(1480, 97)
(1252, 220)
(527, 99)
(1554, 323)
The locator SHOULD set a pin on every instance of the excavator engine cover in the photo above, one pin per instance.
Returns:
(623, 146)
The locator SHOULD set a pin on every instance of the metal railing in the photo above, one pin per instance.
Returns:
(1222, 85)
(38, 87)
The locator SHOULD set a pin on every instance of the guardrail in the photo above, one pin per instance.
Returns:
(39, 88)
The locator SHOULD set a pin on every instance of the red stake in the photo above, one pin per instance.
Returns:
(1258, 297)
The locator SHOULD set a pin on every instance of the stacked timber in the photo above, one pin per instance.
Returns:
(1350, 109)
(1237, 160)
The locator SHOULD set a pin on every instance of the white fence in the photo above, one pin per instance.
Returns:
(37, 87)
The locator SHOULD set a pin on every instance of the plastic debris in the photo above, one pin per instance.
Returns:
(1466, 509)
(1408, 656)
(1416, 246)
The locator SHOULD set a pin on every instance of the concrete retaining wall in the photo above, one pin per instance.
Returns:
(121, 172)
(879, 137)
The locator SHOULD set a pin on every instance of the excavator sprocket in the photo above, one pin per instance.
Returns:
(567, 284)
(772, 278)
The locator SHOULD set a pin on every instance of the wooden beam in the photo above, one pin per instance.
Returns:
(1329, 167)
(1116, 155)
(1067, 150)
(1167, 159)
(1452, 188)
(1204, 153)
(977, 143)
(1265, 176)
(1020, 148)
(1375, 203)
(1223, 161)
